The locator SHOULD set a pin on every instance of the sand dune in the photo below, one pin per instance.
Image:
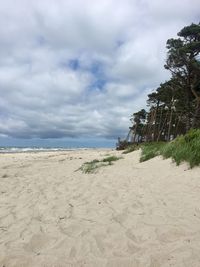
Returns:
(128, 214)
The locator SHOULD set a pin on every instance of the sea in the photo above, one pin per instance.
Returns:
(33, 149)
(40, 149)
(45, 149)
(58, 145)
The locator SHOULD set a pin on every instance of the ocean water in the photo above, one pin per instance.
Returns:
(37, 145)
(33, 149)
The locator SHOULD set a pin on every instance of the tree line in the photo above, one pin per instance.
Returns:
(174, 107)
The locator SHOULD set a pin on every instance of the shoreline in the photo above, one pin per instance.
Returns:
(38, 150)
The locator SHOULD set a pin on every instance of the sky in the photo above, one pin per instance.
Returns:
(73, 71)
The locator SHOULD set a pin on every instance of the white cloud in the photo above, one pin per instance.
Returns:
(118, 50)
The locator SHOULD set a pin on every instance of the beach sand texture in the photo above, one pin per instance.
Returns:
(129, 214)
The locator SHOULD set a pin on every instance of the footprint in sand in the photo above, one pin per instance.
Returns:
(38, 242)
(99, 243)
(5, 176)
(72, 253)
(169, 234)
(17, 260)
(197, 212)
(123, 262)
(73, 230)
(136, 239)
(154, 263)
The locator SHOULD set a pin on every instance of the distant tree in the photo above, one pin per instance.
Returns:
(183, 62)
(174, 107)
(138, 120)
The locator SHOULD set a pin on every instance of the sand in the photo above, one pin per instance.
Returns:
(128, 214)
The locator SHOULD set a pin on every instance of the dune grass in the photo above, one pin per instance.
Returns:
(110, 159)
(91, 166)
(131, 148)
(183, 148)
(151, 150)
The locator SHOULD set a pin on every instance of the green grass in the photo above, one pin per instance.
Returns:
(151, 150)
(131, 148)
(90, 167)
(110, 159)
(183, 148)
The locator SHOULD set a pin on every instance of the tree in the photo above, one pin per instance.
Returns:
(138, 120)
(174, 107)
(183, 62)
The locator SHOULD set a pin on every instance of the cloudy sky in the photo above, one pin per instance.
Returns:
(75, 70)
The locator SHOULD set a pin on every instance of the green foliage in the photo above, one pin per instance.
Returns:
(151, 150)
(122, 144)
(131, 148)
(91, 166)
(110, 159)
(183, 148)
(93, 161)
(174, 107)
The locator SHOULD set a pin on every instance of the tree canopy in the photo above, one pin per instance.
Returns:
(174, 107)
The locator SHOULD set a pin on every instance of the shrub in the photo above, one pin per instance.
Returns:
(131, 148)
(151, 150)
(183, 148)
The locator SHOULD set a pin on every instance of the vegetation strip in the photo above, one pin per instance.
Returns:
(91, 166)
(174, 107)
(183, 148)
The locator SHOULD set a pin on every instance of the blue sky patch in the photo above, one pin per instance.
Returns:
(74, 64)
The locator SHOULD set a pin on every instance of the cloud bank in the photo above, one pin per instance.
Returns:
(80, 68)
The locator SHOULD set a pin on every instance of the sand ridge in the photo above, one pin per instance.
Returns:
(128, 214)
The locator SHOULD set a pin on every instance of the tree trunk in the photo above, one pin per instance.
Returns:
(135, 132)
(196, 118)
(187, 125)
(177, 125)
(170, 121)
(163, 126)
(155, 121)
(159, 125)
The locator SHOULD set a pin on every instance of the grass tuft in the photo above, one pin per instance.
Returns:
(151, 150)
(90, 167)
(183, 148)
(131, 148)
(110, 159)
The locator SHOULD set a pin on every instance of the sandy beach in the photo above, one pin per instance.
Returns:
(129, 214)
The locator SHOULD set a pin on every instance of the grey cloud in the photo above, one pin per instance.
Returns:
(43, 96)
